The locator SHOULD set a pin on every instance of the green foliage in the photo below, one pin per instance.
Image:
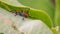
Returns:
(48, 12)
(42, 15)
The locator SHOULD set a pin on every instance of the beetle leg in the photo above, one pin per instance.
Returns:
(23, 18)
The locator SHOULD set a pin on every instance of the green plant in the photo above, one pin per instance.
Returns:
(48, 12)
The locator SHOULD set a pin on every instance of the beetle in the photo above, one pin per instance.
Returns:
(24, 14)
(20, 13)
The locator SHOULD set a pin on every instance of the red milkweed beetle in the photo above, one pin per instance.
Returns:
(21, 13)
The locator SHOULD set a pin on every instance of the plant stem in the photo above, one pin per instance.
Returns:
(57, 13)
